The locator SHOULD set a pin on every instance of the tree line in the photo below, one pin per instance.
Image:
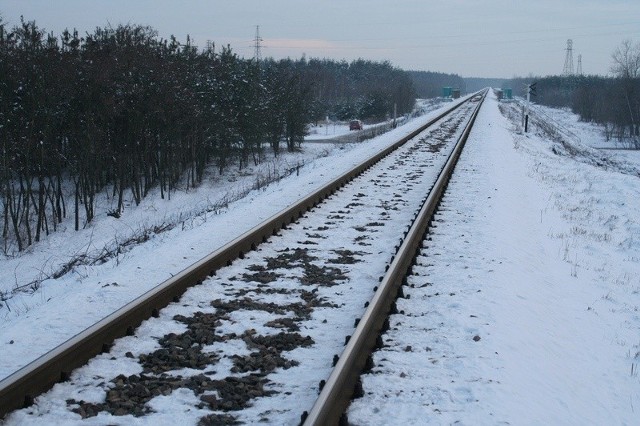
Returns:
(123, 111)
(613, 102)
(363, 89)
(429, 84)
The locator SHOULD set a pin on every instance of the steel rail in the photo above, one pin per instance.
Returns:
(337, 392)
(20, 388)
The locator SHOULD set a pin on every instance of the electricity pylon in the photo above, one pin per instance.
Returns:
(568, 59)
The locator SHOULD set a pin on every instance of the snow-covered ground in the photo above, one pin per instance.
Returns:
(327, 130)
(35, 318)
(526, 309)
(296, 281)
(546, 274)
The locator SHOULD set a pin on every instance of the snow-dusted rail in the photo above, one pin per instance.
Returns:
(343, 383)
(20, 389)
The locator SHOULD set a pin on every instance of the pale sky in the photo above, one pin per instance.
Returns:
(472, 38)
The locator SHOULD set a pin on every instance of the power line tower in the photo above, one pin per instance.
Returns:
(211, 47)
(579, 69)
(568, 59)
(257, 55)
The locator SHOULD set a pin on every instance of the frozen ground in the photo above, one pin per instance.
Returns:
(309, 274)
(40, 312)
(526, 309)
(555, 255)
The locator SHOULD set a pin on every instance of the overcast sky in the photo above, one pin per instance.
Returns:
(472, 38)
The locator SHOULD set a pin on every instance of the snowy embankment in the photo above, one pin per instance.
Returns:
(39, 317)
(526, 309)
(277, 318)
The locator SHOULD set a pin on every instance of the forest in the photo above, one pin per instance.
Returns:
(613, 102)
(121, 111)
(360, 89)
(429, 84)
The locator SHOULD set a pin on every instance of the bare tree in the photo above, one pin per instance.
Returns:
(626, 66)
(626, 60)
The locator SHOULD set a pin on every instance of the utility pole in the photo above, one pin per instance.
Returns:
(257, 55)
(579, 70)
(395, 114)
(211, 47)
(568, 59)
(531, 91)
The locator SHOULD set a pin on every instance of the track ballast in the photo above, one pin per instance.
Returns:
(252, 343)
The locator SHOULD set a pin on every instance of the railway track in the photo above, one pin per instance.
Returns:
(282, 285)
(344, 381)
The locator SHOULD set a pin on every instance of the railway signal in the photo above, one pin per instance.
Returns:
(531, 91)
